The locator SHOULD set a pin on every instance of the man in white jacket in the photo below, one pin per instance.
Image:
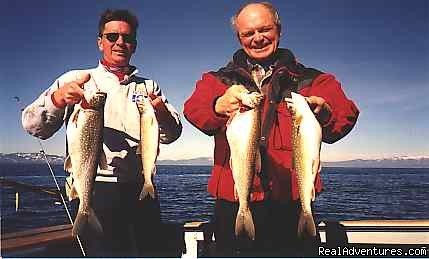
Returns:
(115, 196)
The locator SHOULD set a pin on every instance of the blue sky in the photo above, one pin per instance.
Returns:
(379, 50)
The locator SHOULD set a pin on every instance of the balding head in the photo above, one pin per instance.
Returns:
(258, 30)
(268, 6)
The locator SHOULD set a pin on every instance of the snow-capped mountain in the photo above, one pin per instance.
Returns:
(30, 158)
(392, 162)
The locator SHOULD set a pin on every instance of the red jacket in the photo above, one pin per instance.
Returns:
(282, 183)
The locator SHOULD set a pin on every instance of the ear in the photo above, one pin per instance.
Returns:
(134, 47)
(100, 45)
(279, 29)
(238, 37)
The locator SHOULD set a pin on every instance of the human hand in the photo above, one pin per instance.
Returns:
(155, 100)
(320, 108)
(230, 101)
(72, 92)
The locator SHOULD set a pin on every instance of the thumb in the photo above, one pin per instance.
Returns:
(82, 79)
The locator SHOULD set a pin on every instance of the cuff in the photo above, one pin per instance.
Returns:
(55, 103)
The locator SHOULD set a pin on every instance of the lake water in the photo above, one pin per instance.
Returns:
(350, 194)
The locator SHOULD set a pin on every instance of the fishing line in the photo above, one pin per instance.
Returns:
(18, 100)
(61, 194)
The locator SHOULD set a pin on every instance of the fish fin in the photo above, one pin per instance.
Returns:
(258, 162)
(229, 120)
(148, 189)
(103, 161)
(68, 164)
(313, 194)
(75, 116)
(235, 193)
(244, 224)
(84, 220)
(73, 193)
(79, 224)
(316, 167)
(306, 225)
(94, 222)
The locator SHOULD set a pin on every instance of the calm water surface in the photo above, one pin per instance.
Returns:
(350, 193)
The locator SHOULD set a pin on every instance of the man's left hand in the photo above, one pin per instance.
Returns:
(320, 108)
(161, 110)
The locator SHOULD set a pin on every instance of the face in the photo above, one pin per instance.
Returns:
(119, 51)
(257, 32)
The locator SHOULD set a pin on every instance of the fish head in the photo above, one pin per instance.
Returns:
(143, 103)
(297, 104)
(95, 100)
(252, 99)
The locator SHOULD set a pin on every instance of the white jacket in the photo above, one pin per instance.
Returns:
(121, 132)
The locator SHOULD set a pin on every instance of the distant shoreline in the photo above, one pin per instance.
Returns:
(396, 162)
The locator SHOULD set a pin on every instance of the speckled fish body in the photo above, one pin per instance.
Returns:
(306, 141)
(149, 142)
(84, 138)
(243, 133)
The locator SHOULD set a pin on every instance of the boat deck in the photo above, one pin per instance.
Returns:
(57, 241)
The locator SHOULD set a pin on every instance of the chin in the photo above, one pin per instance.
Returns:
(121, 62)
(261, 56)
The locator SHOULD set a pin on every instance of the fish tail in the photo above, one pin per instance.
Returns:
(306, 225)
(147, 189)
(79, 224)
(84, 219)
(244, 223)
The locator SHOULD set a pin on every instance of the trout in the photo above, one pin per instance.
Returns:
(243, 133)
(84, 141)
(306, 142)
(149, 142)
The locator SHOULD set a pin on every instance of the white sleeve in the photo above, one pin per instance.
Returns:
(42, 118)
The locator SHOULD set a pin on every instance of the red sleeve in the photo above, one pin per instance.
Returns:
(199, 107)
(344, 112)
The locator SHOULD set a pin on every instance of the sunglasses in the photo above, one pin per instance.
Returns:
(114, 36)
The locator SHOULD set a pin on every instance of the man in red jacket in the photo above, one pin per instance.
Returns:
(262, 66)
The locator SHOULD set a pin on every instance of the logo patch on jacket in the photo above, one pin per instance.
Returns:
(138, 97)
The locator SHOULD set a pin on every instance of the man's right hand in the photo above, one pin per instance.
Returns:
(70, 93)
(230, 101)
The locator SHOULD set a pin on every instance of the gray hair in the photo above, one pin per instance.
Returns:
(267, 5)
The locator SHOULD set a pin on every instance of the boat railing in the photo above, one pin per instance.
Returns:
(19, 188)
(199, 239)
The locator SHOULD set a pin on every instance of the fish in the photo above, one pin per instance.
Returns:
(243, 133)
(84, 142)
(149, 143)
(306, 143)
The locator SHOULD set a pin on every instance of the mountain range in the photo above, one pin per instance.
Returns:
(393, 162)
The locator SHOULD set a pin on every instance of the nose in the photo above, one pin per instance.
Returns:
(258, 37)
(120, 40)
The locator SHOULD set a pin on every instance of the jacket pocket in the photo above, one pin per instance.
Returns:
(282, 130)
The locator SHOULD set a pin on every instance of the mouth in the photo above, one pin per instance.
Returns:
(261, 49)
(120, 52)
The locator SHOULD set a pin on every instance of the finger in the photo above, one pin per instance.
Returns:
(76, 90)
(82, 79)
(153, 96)
(317, 109)
(156, 101)
(74, 96)
(288, 100)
